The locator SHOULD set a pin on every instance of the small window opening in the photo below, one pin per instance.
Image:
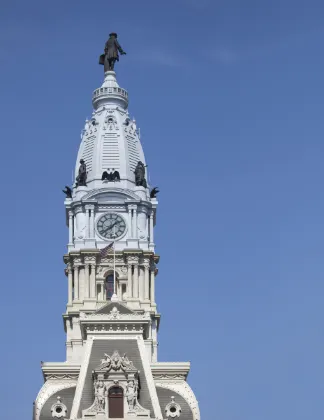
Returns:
(109, 284)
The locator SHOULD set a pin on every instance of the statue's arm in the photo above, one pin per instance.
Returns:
(119, 47)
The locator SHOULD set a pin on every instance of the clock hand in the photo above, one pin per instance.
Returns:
(106, 230)
(111, 226)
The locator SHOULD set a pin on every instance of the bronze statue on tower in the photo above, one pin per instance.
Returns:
(109, 58)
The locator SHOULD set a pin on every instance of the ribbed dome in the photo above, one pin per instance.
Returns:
(110, 140)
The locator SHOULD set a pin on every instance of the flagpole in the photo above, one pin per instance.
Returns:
(114, 265)
(114, 296)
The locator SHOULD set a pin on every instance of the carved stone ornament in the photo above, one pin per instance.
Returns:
(59, 409)
(116, 363)
(173, 409)
(115, 370)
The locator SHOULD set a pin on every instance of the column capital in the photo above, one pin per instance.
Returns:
(132, 259)
(89, 206)
(89, 260)
(71, 214)
(132, 207)
(152, 266)
(77, 262)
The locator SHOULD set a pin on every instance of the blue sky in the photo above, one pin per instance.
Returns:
(229, 99)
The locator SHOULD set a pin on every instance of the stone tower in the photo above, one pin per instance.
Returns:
(111, 319)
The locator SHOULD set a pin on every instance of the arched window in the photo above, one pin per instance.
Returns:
(116, 403)
(109, 286)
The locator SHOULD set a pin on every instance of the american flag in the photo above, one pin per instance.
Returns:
(106, 250)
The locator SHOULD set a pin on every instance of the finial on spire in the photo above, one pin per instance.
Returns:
(110, 56)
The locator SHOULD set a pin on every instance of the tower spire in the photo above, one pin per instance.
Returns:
(111, 319)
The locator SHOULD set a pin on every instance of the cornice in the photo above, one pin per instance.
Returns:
(123, 191)
(126, 252)
(170, 370)
(52, 370)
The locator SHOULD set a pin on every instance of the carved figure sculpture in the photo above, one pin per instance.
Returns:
(81, 179)
(67, 192)
(131, 394)
(100, 395)
(125, 361)
(106, 362)
(140, 180)
(112, 47)
(154, 192)
(116, 362)
(112, 176)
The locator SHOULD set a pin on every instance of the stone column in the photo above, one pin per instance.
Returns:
(130, 221)
(151, 227)
(88, 221)
(68, 340)
(86, 281)
(146, 281)
(70, 284)
(102, 290)
(93, 291)
(141, 283)
(81, 282)
(152, 284)
(70, 227)
(129, 281)
(76, 282)
(135, 222)
(155, 343)
(135, 281)
(92, 234)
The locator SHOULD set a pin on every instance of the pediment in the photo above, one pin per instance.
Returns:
(108, 308)
(104, 195)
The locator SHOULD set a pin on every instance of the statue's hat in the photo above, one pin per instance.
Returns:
(113, 34)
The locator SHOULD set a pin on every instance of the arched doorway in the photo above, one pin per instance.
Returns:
(116, 403)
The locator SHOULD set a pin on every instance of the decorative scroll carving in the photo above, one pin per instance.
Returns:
(62, 376)
(170, 377)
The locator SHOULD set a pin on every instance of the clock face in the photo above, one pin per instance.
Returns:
(111, 226)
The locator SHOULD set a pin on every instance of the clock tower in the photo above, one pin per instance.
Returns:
(111, 319)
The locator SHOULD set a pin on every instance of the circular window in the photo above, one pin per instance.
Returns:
(173, 409)
(58, 409)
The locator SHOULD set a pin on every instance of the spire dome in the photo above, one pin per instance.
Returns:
(110, 139)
